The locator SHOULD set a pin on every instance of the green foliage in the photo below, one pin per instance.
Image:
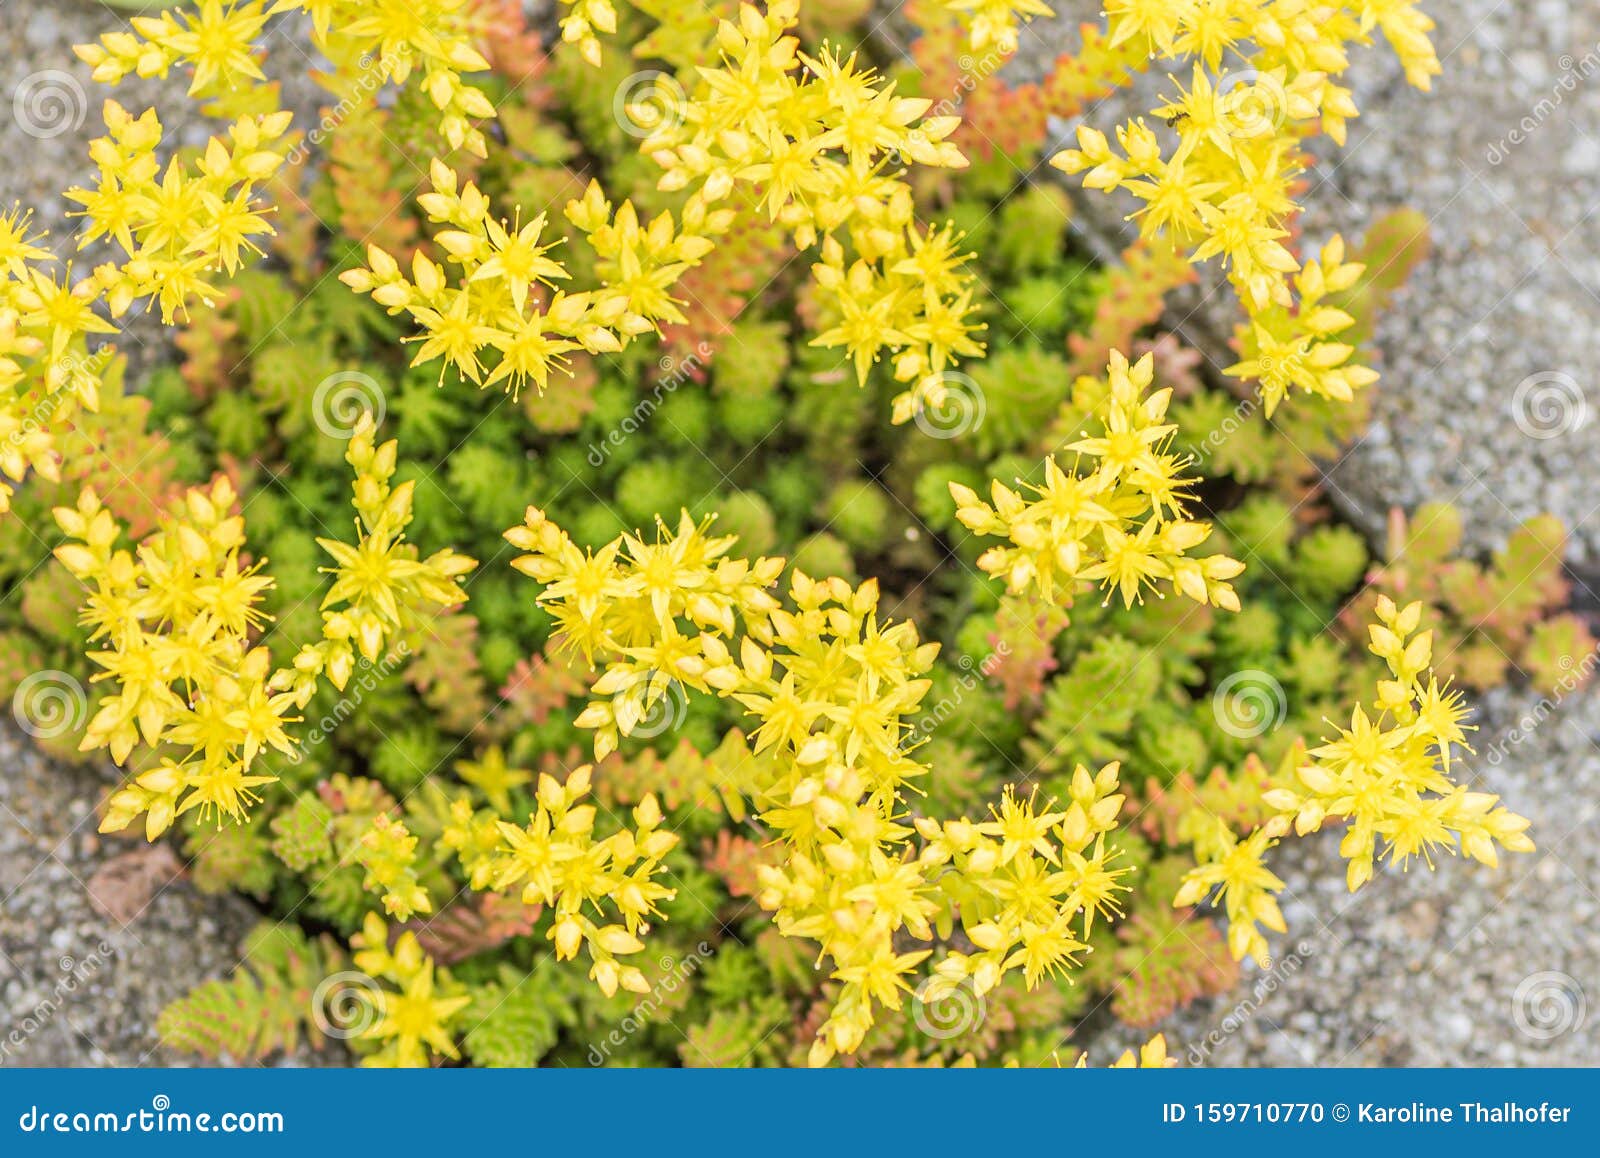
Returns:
(516, 1020)
(270, 1003)
(737, 415)
(1500, 616)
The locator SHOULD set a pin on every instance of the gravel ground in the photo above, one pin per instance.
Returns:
(1463, 966)
(1486, 401)
(1489, 392)
(79, 987)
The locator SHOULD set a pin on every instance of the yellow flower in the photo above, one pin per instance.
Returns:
(1119, 523)
(1388, 775)
(1224, 187)
(414, 1020)
(1235, 868)
(492, 776)
(830, 690)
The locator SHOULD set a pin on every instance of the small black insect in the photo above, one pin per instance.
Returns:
(1174, 121)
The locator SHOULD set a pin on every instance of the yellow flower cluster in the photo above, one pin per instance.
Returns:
(216, 40)
(388, 853)
(584, 20)
(369, 43)
(46, 370)
(989, 23)
(1236, 870)
(176, 618)
(814, 140)
(1298, 347)
(1387, 776)
(413, 1021)
(1021, 878)
(500, 301)
(557, 861)
(1220, 183)
(996, 23)
(179, 614)
(381, 586)
(175, 228)
(809, 141)
(831, 688)
(1117, 520)
(177, 225)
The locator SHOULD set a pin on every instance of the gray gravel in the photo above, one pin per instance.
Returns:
(1488, 356)
(79, 988)
(1465, 966)
(75, 987)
